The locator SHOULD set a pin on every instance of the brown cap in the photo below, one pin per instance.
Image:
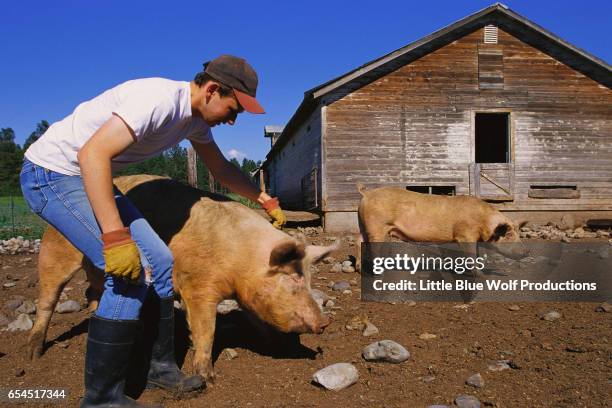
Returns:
(236, 73)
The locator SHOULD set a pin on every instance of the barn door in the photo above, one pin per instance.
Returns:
(492, 173)
(492, 181)
(309, 190)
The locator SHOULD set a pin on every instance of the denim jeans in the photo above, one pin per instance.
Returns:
(61, 201)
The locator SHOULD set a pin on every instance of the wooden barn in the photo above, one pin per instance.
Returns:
(493, 106)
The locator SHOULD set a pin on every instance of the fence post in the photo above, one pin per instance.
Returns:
(13, 215)
(192, 169)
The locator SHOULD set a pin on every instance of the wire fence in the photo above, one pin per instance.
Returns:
(16, 219)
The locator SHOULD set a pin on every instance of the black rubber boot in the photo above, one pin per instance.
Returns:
(109, 346)
(163, 370)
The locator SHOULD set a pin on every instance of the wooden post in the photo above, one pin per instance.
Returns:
(262, 180)
(211, 182)
(192, 168)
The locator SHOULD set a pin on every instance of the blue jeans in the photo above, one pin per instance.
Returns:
(61, 201)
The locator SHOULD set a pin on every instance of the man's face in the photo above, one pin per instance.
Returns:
(217, 109)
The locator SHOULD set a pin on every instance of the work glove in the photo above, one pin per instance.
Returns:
(121, 256)
(274, 211)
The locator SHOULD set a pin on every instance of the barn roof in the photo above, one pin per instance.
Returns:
(497, 14)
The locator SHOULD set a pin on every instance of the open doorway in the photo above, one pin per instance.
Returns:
(492, 138)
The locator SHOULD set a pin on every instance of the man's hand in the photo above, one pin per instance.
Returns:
(121, 256)
(273, 209)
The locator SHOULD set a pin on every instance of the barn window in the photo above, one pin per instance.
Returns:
(490, 34)
(436, 190)
(492, 138)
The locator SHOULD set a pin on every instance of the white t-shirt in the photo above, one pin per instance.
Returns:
(157, 110)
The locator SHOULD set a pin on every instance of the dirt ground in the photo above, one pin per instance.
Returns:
(563, 363)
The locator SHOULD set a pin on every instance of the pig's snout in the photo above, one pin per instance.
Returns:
(323, 323)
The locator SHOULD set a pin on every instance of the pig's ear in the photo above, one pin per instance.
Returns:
(316, 253)
(286, 252)
(501, 230)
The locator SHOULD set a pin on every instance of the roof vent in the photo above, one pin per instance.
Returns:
(490, 34)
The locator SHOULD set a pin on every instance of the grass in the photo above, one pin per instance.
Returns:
(16, 219)
(243, 201)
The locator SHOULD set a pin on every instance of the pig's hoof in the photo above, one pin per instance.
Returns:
(35, 347)
(206, 371)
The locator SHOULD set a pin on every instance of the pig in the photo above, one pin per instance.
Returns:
(412, 216)
(222, 250)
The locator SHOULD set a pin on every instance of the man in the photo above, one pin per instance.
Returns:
(67, 180)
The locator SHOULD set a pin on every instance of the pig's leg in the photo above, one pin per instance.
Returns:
(95, 277)
(201, 316)
(58, 262)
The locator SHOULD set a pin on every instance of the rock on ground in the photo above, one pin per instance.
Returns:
(23, 323)
(385, 350)
(336, 376)
(467, 401)
(475, 380)
(69, 306)
(551, 316)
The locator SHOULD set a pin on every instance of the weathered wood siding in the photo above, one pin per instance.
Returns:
(414, 126)
(300, 154)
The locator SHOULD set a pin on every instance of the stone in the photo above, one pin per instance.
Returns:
(230, 353)
(10, 284)
(551, 316)
(341, 286)
(467, 401)
(337, 376)
(499, 366)
(475, 380)
(226, 306)
(3, 320)
(427, 336)
(357, 322)
(337, 267)
(69, 306)
(347, 263)
(27, 307)
(22, 323)
(348, 269)
(605, 307)
(514, 308)
(565, 239)
(347, 292)
(370, 329)
(14, 302)
(547, 346)
(385, 350)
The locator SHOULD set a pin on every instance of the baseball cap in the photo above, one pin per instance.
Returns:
(236, 73)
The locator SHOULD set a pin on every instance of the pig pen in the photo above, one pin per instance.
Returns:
(559, 363)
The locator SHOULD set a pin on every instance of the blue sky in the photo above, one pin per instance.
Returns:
(56, 54)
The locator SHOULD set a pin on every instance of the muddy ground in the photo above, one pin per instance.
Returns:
(563, 363)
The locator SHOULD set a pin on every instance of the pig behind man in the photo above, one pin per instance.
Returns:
(221, 250)
(411, 216)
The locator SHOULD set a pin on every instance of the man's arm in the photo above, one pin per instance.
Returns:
(95, 162)
(228, 174)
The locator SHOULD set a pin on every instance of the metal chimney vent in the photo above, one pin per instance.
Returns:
(490, 34)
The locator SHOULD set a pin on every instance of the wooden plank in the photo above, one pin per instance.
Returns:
(553, 193)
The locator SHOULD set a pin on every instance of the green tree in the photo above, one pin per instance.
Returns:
(11, 157)
(41, 128)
